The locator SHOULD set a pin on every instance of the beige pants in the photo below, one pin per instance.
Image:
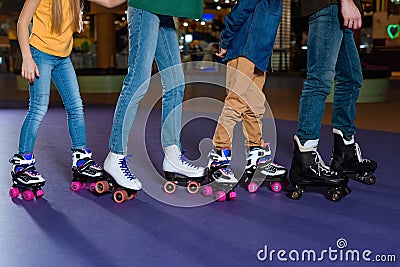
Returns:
(244, 102)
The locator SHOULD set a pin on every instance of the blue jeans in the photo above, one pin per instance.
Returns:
(147, 40)
(62, 72)
(331, 53)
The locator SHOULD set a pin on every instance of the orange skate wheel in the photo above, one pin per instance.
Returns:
(120, 196)
(169, 187)
(193, 187)
(131, 195)
(102, 187)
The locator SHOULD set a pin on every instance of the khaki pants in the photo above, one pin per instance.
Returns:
(244, 102)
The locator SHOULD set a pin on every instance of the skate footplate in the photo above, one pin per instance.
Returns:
(335, 193)
(27, 192)
(222, 192)
(192, 184)
(120, 194)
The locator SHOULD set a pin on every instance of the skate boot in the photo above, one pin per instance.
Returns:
(308, 169)
(179, 171)
(260, 168)
(118, 179)
(84, 170)
(25, 178)
(220, 176)
(347, 159)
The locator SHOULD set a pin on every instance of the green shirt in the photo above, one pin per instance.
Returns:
(178, 8)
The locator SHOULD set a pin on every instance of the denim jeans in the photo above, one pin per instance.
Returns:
(332, 53)
(149, 40)
(62, 72)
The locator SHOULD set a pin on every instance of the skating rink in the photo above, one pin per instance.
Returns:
(65, 228)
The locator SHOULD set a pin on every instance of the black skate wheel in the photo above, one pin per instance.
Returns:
(335, 195)
(169, 187)
(370, 180)
(193, 187)
(120, 196)
(295, 194)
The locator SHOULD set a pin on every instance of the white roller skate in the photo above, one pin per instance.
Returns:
(179, 171)
(25, 178)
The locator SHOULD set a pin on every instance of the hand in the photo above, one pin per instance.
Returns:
(221, 53)
(351, 15)
(29, 70)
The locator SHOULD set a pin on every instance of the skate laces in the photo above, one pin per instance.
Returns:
(185, 161)
(321, 166)
(125, 169)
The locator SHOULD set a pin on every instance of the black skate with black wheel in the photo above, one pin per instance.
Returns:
(308, 170)
(347, 159)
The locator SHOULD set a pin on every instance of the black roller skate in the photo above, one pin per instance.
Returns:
(261, 169)
(179, 171)
(25, 178)
(84, 170)
(309, 170)
(118, 179)
(220, 176)
(347, 159)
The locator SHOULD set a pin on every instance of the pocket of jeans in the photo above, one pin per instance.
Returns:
(274, 6)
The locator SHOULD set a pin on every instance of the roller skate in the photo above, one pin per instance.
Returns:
(347, 159)
(220, 176)
(179, 171)
(25, 178)
(309, 170)
(84, 170)
(261, 169)
(118, 179)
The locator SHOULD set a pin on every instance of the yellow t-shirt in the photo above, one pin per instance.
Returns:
(43, 39)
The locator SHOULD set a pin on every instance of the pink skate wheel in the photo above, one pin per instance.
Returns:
(39, 193)
(83, 186)
(232, 195)
(220, 196)
(28, 195)
(14, 192)
(76, 186)
(207, 191)
(92, 187)
(252, 187)
(276, 187)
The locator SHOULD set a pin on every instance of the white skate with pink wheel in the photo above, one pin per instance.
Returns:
(261, 169)
(84, 170)
(222, 181)
(26, 180)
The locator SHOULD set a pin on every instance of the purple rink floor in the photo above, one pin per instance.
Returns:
(80, 229)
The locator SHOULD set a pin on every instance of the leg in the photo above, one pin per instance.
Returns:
(348, 82)
(143, 33)
(324, 39)
(39, 92)
(64, 78)
(172, 77)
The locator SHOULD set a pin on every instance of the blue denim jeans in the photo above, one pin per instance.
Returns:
(61, 70)
(147, 40)
(332, 53)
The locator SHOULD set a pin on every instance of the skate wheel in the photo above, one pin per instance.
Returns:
(14, 192)
(335, 195)
(28, 195)
(252, 187)
(120, 196)
(39, 193)
(295, 194)
(193, 187)
(83, 185)
(76, 186)
(207, 191)
(220, 196)
(169, 187)
(101, 187)
(370, 180)
(276, 187)
(131, 195)
(92, 187)
(232, 195)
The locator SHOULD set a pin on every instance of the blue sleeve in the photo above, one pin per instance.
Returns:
(234, 20)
